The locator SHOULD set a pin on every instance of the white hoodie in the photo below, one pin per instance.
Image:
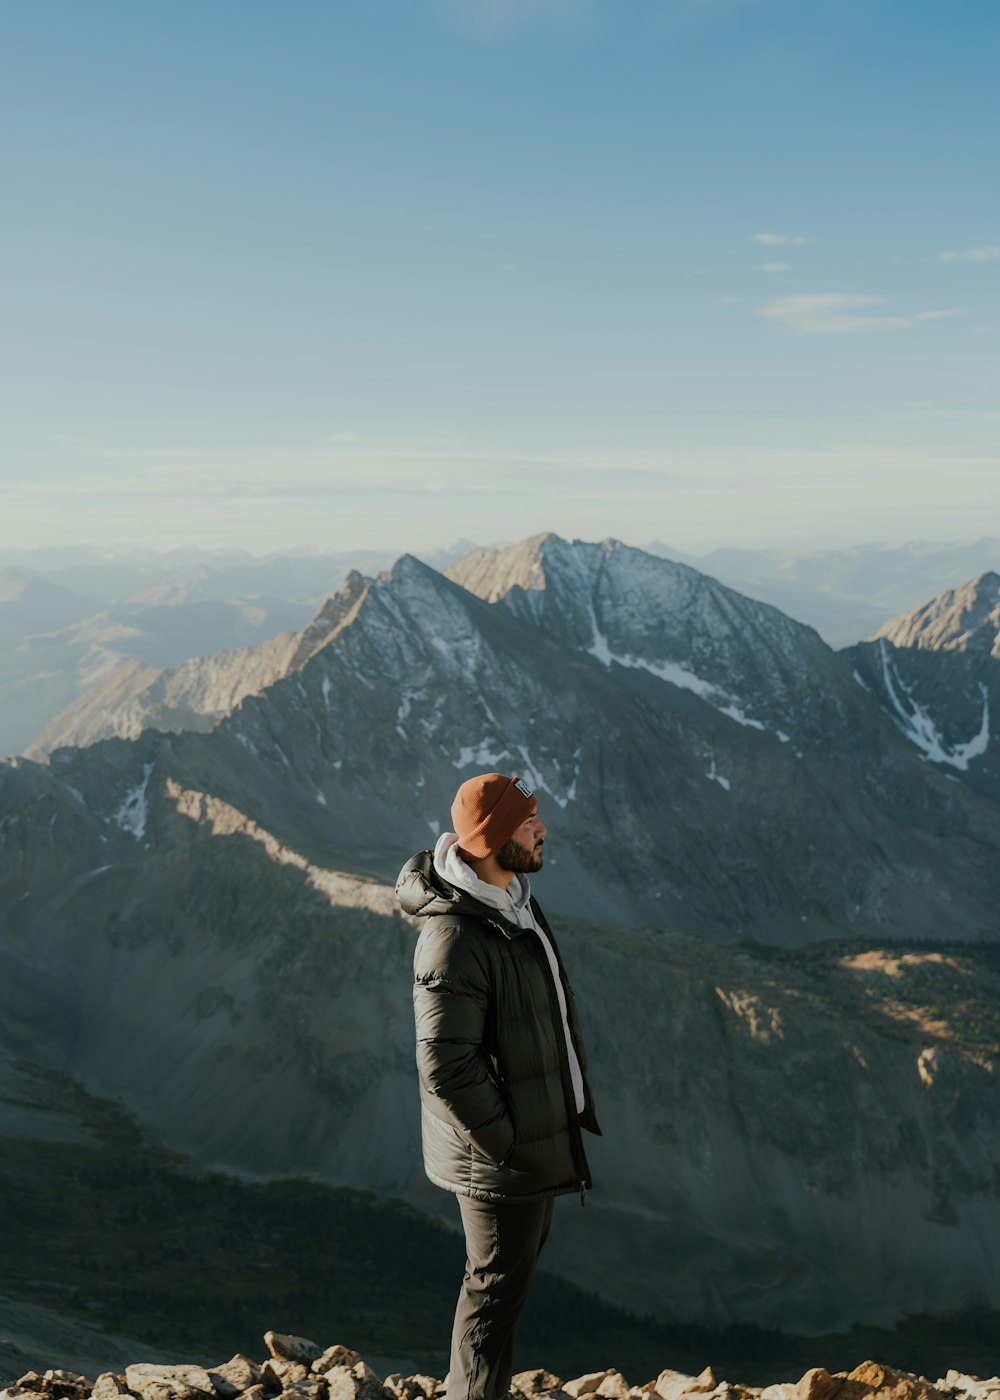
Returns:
(513, 904)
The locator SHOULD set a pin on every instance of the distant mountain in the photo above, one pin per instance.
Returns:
(196, 694)
(41, 674)
(155, 611)
(847, 593)
(30, 604)
(936, 673)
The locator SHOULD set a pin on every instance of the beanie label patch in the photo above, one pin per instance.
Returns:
(523, 788)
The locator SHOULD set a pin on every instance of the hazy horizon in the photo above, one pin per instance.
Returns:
(83, 548)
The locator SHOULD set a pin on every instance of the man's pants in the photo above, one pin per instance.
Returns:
(502, 1243)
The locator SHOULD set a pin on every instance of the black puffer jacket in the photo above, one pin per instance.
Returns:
(498, 1112)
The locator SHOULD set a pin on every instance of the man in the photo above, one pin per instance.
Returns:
(503, 1087)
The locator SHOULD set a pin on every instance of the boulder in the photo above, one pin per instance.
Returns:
(964, 1387)
(413, 1387)
(405, 1387)
(108, 1386)
(671, 1384)
(234, 1377)
(287, 1347)
(254, 1392)
(538, 1382)
(156, 1382)
(277, 1373)
(816, 1384)
(586, 1385)
(614, 1386)
(354, 1383)
(871, 1378)
(336, 1356)
(66, 1385)
(310, 1388)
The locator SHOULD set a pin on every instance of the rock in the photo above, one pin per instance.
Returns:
(277, 1373)
(108, 1386)
(587, 1384)
(959, 1384)
(61, 1384)
(254, 1392)
(614, 1386)
(310, 1388)
(338, 1356)
(671, 1384)
(816, 1384)
(537, 1382)
(405, 1387)
(17, 1391)
(284, 1346)
(233, 1377)
(413, 1387)
(154, 1382)
(354, 1383)
(871, 1378)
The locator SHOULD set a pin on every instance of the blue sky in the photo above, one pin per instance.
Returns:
(324, 274)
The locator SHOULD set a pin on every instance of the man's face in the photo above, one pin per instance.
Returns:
(522, 854)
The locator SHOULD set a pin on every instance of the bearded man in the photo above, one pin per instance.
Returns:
(500, 1058)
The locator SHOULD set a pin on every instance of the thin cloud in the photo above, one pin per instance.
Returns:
(774, 267)
(830, 313)
(778, 240)
(984, 252)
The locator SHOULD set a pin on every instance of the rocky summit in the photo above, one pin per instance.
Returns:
(298, 1369)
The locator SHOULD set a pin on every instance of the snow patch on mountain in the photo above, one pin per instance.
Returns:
(483, 755)
(714, 776)
(921, 730)
(674, 674)
(131, 815)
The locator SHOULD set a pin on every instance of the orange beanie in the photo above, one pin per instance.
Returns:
(488, 809)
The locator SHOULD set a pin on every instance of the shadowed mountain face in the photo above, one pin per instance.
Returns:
(936, 673)
(203, 925)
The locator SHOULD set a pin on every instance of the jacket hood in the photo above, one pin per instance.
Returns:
(422, 892)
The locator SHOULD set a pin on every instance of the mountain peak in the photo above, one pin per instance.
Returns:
(960, 619)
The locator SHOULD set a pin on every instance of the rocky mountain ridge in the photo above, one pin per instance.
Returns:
(197, 693)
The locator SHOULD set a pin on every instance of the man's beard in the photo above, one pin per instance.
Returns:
(518, 859)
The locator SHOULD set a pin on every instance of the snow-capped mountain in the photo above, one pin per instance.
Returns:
(632, 610)
(936, 673)
(726, 776)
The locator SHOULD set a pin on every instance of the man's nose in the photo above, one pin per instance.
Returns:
(541, 832)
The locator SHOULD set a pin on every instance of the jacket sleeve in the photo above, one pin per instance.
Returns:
(451, 992)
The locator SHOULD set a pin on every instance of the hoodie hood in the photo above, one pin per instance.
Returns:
(450, 866)
(421, 891)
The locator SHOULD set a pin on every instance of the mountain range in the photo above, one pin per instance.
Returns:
(778, 912)
(78, 620)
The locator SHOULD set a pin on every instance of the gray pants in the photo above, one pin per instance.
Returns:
(502, 1243)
